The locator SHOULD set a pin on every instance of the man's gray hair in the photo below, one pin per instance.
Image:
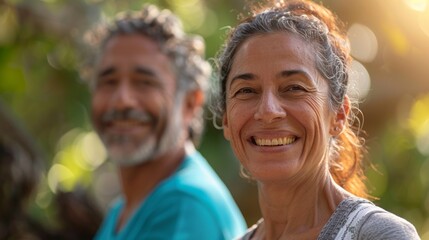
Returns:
(186, 52)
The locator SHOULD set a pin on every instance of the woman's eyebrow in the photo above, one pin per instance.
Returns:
(288, 73)
(282, 74)
(243, 76)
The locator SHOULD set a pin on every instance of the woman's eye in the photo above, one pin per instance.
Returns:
(294, 88)
(245, 91)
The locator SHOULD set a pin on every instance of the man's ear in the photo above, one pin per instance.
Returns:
(340, 118)
(225, 127)
(194, 101)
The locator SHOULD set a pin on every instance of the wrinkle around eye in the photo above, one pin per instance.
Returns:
(144, 82)
(244, 93)
(301, 87)
(108, 81)
(297, 88)
(245, 90)
(301, 92)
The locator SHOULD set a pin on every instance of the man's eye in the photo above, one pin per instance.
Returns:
(145, 82)
(106, 82)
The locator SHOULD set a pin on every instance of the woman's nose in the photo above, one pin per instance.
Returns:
(269, 108)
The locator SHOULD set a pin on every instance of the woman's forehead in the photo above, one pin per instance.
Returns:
(274, 52)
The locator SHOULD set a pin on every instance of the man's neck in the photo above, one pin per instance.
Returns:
(138, 181)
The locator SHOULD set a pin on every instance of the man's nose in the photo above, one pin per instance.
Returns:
(124, 97)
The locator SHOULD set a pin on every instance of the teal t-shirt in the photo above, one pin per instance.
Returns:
(193, 203)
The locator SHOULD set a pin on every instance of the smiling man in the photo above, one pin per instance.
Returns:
(147, 97)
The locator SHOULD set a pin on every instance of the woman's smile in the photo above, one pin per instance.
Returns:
(277, 141)
(275, 119)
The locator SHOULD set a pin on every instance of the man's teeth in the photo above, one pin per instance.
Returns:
(126, 123)
(275, 141)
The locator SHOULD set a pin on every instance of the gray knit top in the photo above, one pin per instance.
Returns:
(359, 219)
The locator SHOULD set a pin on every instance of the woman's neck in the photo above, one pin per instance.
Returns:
(297, 210)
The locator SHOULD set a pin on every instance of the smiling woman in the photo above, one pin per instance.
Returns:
(275, 92)
(283, 104)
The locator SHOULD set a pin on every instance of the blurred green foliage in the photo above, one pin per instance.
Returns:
(40, 53)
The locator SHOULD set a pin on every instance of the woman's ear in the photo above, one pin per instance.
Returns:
(225, 127)
(340, 117)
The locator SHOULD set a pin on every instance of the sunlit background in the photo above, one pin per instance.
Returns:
(39, 82)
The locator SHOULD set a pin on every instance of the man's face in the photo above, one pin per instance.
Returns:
(134, 105)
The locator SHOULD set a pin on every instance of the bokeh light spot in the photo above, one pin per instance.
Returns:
(364, 45)
(57, 175)
(68, 138)
(93, 151)
(417, 5)
(191, 12)
(359, 81)
(397, 39)
(424, 22)
(210, 25)
(8, 25)
(79, 152)
(419, 124)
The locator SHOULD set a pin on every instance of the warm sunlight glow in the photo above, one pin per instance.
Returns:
(359, 82)
(417, 5)
(363, 42)
(8, 25)
(424, 22)
(192, 13)
(93, 151)
(78, 154)
(57, 175)
(419, 124)
(398, 40)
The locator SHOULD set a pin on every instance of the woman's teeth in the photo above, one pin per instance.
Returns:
(275, 141)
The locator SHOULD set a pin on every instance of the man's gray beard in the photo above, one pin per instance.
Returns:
(150, 149)
(126, 158)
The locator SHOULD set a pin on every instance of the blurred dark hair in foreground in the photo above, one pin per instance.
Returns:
(20, 171)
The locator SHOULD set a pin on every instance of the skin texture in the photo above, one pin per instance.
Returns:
(132, 77)
(279, 122)
(136, 112)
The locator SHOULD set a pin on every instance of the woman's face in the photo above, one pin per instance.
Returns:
(278, 116)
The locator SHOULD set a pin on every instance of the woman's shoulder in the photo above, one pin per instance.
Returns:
(381, 224)
(357, 218)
